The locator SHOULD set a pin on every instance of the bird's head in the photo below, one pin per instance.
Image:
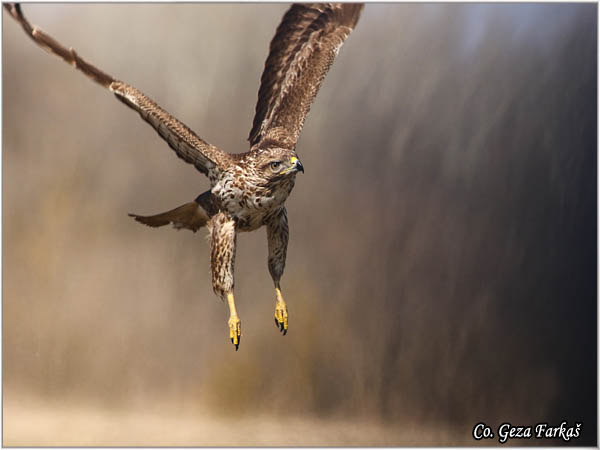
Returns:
(277, 164)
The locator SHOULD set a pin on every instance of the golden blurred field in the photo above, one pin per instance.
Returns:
(442, 260)
(55, 424)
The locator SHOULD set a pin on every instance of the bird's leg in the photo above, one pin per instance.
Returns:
(222, 258)
(281, 313)
(277, 236)
(235, 325)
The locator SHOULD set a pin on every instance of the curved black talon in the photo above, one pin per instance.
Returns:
(281, 326)
(285, 332)
(276, 323)
(236, 346)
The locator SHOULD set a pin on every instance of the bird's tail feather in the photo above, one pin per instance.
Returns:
(191, 216)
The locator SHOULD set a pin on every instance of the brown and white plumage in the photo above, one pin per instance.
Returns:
(187, 145)
(248, 190)
(304, 47)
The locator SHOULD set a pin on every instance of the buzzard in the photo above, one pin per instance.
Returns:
(248, 190)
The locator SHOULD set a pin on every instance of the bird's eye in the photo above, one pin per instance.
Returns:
(276, 166)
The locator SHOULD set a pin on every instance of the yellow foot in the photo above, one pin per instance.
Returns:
(235, 331)
(281, 313)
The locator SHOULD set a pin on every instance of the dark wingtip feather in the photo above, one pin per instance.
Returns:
(300, 24)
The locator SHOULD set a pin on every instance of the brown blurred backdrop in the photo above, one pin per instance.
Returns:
(442, 263)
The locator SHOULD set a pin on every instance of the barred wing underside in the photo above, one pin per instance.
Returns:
(304, 47)
(187, 145)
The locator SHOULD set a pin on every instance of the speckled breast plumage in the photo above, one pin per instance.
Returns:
(249, 199)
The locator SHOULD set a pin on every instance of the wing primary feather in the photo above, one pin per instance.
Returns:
(52, 46)
(300, 54)
(187, 145)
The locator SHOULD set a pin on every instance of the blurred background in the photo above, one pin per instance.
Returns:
(442, 262)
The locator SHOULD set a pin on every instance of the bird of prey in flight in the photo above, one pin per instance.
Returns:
(248, 190)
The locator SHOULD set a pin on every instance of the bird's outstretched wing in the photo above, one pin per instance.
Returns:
(304, 47)
(187, 145)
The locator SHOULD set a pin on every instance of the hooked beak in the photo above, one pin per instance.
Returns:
(297, 164)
